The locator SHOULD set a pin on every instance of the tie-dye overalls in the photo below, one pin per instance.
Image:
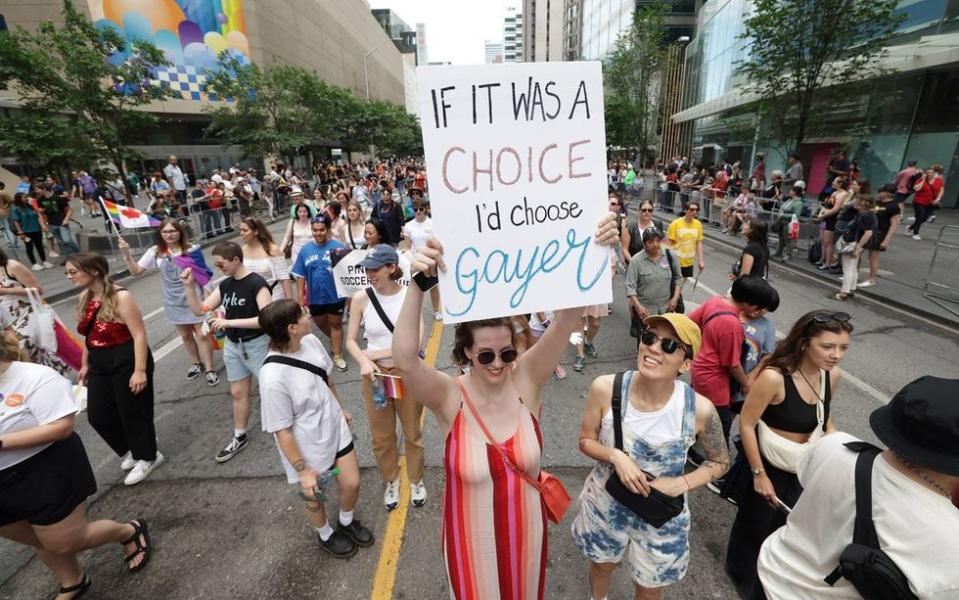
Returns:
(604, 529)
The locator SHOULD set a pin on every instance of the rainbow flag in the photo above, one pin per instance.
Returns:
(194, 260)
(128, 217)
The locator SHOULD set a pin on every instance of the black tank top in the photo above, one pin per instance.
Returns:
(794, 414)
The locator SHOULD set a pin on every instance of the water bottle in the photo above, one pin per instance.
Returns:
(323, 480)
(379, 394)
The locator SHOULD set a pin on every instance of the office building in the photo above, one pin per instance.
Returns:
(543, 30)
(422, 55)
(403, 36)
(513, 36)
(911, 113)
(573, 30)
(493, 52)
(602, 22)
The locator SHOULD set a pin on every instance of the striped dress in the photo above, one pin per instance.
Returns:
(494, 525)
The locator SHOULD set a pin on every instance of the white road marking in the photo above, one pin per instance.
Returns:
(150, 315)
(167, 348)
(855, 381)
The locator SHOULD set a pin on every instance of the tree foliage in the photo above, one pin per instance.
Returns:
(801, 53)
(283, 110)
(631, 75)
(80, 87)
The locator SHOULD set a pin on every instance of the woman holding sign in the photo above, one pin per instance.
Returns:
(494, 518)
(377, 308)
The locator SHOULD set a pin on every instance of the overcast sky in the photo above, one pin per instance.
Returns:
(455, 29)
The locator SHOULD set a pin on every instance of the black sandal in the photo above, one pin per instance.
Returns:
(144, 548)
(80, 589)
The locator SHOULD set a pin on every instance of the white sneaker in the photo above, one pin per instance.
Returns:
(47, 265)
(418, 493)
(391, 498)
(37, 267)
(916, 237)
(142, 470)
(53, 254)
(128, 462)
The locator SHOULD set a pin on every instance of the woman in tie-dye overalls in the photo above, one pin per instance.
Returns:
(662, 418)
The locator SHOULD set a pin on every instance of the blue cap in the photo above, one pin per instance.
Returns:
(380, 255)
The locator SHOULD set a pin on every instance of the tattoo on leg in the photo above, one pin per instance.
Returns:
(313, 507)
(713, 442)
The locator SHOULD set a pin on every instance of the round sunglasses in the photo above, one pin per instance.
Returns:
(648, 338)
(507, 355)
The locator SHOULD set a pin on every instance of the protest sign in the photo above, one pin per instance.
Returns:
(350, 277)
(516, 155)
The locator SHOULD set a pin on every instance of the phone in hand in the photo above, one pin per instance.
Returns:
(425, 282)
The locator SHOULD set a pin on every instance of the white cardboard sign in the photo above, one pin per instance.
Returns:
(350, 277)
(516, 156)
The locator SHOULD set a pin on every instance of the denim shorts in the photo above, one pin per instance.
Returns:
(244, 358)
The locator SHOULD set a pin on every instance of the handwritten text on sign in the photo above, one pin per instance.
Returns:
(350, 277)
(516, 157)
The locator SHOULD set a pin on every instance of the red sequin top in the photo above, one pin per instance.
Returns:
(102, 334)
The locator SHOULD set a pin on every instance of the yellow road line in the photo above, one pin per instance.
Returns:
(385, 577)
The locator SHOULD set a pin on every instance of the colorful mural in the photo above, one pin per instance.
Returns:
(192, 33)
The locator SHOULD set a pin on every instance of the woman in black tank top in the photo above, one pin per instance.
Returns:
(800, 374)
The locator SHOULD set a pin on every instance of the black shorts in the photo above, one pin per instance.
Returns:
(47, 487)
(687, 271)
(336, 309)
(342, 452)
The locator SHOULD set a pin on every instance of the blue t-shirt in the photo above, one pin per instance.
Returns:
(760, 340)
(314, 265)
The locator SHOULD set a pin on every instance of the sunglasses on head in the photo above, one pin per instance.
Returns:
(506, 355)
(669, 345)
(839, 317)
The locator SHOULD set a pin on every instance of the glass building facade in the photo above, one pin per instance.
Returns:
(604, 20)
(910, 115)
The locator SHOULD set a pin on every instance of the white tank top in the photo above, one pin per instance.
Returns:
(378, 337)
(658, 427)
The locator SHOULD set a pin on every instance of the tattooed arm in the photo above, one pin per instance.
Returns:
(709, 434)
(291, 450)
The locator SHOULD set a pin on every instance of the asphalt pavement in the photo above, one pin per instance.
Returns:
(237, 529)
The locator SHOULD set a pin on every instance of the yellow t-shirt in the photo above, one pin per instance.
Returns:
(684, 237)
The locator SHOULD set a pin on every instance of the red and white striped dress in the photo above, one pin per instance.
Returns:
(494, 524)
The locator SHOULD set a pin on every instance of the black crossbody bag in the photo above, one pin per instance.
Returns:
(379, 308)
(656, 509)
(301, 364)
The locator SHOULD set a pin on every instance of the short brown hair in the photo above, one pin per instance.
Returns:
(463, 337)
(275, 319)
(228, 250)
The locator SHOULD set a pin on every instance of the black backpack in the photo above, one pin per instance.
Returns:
(863, 563)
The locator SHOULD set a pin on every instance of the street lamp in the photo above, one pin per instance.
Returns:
(366, 70)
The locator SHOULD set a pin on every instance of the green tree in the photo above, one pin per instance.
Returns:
(801, 53)
(82, 87)
(631, 76)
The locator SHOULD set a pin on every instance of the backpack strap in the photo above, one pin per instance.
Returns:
(719, 314)
(864, 531)
(300, 364)
(617, 406)
(379, 308)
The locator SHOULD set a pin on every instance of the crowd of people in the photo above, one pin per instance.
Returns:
(704, 381)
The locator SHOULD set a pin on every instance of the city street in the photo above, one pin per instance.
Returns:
(225, 530)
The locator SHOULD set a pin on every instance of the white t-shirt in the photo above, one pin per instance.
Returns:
(31, 395)
(418, 233)
(657, 427)
(291, 397)
(537, 325)
(917, 527)
(175, 175)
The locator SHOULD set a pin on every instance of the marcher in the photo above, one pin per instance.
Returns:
(418, 231)
(57, 212)
(313, 271)
(47, 476)
(177, 180)
(487, 554)
(389, 211)
(6, 206)
(242, 295)
(685, 235)
(117, 366)
(377, 309)
(661, 419)
(375, 233)
(888, 217)
(905, 181)
(171, 242)
(654, 284)
(263, 257)
(26, 221)
(353, 231)
(913, 482)
(791, 406)
(301, 409)
(633, 239)
(858, 235)
(298, 232)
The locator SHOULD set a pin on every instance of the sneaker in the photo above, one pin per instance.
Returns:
(560, 372)
(53, 254)
(822, 267)
(128, 462)
(917, 237)
(339, 545)
(866, 284)
(579, 363)
(590, 349)
(212, 378)
(37, 267)
(142, 470)
(194, 371)
(360, 535)
(716, 487)
(931, 219)
(339, 363)
(437, 316)
(391, 497)
(837, 270)
(418, 493)
(47, 265)
(232, 449)
(910, 219)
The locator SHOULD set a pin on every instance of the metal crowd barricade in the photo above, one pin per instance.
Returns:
(942, 281)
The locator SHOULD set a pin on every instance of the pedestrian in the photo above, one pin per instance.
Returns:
(754, 259)
(938, 170)
(912, 483)
(316, 287)
(633, 238)
(26, 221)
(353, 232)
(417, 231)
(654, 284)
(500, 550)
(537, 325)
(888, 217)
(46, 476)
(262, 256)
(856, 237)
(176, 179)
(15, 278)
(638, 426)
(300, 407)
(906, 180)
(57, 212)
(685, 236)
(827, 217)
(117, 366)
(85, 186)
(242, 294)
(791, 406)
(794, 171)
(377, 308)
(588, 330)
(172, 245)
(792, 207)
(929, 189)
(6, 206)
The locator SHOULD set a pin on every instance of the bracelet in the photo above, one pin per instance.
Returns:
(689, 488)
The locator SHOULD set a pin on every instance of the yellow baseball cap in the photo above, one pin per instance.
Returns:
(686, 330)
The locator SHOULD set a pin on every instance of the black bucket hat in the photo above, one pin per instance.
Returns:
(921, 424)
